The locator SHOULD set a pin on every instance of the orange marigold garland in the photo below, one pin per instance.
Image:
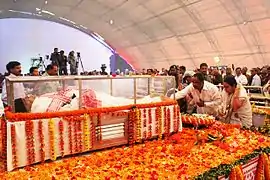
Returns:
(178, 117)
(131, 126)
(150, 121)
(168, 128)
(29, 128)
(41, 140)
(61, 141)
(175, 120)
(144, 124)
(237, 173)
(138, 125)
(70, 137)
(13, 144)
(158, 122)
(92, 133)
(165, 125)
(260, 169)
(80, 142)
(15, 117)
(4, 142)
(75, 133)
(266, 166)
(52, 140)
(99, 133)
(86, 132)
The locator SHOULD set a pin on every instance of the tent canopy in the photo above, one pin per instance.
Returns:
(159, 33)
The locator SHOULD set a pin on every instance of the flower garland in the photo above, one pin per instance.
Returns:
(158, 122)
(92, 134)
(29, 128)
(41, 140)
(99, 132)
(149, 123)
(131, 126)
(86, 132)
(52, 140)
(165, 122)
(266, 166)
(75, 132)
(144, 124)
(237, 173)
(175, 119)
(262, 171)
(70, 137)
(80, 140)
(13, 145)
(178, 117)
(15, 117)
(4, 142)
(61, 131)
(168, 129)
(138, 125)
(197, 121)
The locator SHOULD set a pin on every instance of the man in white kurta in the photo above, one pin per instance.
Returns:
(240, 78)
(205, 95)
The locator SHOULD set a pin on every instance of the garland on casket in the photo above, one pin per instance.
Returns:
(81, 130)
(14, 117)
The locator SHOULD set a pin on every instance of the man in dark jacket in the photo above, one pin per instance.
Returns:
(55, 57)
(62, 63)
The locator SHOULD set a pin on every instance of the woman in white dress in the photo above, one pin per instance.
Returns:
(236, 107)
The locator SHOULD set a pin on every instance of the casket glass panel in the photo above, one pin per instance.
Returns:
(51, 94)
(40, 94)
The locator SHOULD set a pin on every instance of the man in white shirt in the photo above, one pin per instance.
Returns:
(256, 80)
(14, 69)
(205, 95)
(50, 86)
(240, 78)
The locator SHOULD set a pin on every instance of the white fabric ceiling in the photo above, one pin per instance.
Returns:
(159, 33)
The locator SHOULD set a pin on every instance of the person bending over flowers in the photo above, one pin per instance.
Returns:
(235, 107)
(205, 96)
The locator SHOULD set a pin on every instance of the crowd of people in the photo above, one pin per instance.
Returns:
(196, 91)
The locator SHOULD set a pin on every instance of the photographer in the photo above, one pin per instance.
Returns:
(55, 57)
(62, 63)
(73, 63)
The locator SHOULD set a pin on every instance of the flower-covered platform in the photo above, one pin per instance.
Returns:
(217, 151)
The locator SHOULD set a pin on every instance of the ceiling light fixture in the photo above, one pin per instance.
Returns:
(46, 2)
(111, 22)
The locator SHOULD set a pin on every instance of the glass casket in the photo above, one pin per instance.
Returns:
(74, 114)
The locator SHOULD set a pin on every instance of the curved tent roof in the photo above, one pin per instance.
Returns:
(158, 33)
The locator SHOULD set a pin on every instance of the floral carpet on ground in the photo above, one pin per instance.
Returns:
(182, 156)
